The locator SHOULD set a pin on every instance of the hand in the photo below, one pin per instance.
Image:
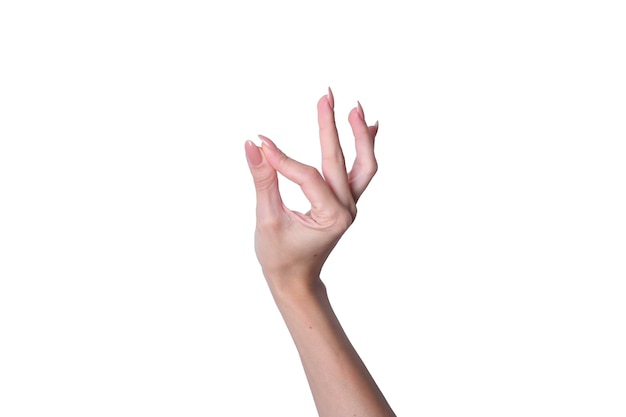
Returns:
(290, 246)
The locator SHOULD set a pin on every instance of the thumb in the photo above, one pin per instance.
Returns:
(269, 202)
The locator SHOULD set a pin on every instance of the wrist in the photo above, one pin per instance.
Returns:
(295, 288)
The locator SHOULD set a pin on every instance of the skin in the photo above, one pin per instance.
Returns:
(292, 248)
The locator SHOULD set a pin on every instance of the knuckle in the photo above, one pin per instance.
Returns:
(371, 167)
(344, 219)
(334, 157)
(353, 211)
(310, 173)
(282, 159)
(264, 182)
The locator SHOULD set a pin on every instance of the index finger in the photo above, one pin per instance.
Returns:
(323, 200)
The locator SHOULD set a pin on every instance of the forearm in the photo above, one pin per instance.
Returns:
(340, 383)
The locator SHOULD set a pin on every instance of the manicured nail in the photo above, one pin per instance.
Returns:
(376, 126)
(359, 109)
(331, 98)
(268, 143)
(253, 154)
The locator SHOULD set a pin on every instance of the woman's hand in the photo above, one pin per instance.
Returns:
(290, 246)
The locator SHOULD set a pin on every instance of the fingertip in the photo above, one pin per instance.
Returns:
(267, 143)
(354, 115)
(324, 105)
(253, 154)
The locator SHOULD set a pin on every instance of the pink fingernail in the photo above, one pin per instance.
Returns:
(267, 142)
(253, 154)
(359, 109)
(331, 98)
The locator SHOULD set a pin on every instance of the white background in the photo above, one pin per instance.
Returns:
(484, 275)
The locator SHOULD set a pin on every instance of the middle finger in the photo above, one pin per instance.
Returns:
(333, 162)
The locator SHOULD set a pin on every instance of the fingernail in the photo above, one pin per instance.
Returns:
(376, 125)
(359, 109)
(331, 98)
(253, 154)
(268, 143)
